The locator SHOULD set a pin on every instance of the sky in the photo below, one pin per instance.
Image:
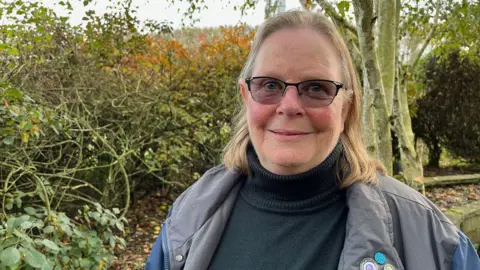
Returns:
(219, 13)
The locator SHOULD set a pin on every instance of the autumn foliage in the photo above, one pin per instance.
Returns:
(94, 117)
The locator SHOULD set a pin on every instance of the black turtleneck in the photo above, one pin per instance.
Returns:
(285, 221)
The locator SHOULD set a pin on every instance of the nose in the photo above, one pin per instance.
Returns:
(291, 104)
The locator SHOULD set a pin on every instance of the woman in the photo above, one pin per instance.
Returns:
(297, 189)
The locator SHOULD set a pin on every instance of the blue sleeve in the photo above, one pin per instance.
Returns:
(156, 259)
(465, 256)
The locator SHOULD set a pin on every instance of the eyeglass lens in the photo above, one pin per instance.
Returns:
(313, 93)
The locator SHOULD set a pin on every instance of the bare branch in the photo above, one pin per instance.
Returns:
(419, 53)
(330, 10)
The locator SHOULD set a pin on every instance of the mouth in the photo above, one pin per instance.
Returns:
(289, 132)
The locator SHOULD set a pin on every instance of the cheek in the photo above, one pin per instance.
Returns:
(326, 118)
(258, 114)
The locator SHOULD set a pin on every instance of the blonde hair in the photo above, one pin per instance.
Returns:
(355, 165)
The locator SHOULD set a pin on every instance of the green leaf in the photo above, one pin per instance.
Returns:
(116, 211)
(66, 229)
(85, 263)
(122, 241)
(11, 224)
(50, 244)
(82, 244)
(9, 203)
(20, 220)
(25, 137)
(27, 225)
(38, 241)
(28, 126)
(47, 266)
(103, 220)
(10, 256)
(14, 94)
(34, 258)
(30, 210)
(8, 141)
(48, 229)
(119, 226)
(22, 236)
(13, 51)
(8, 130)
(107, 235)
(112, 242)
(343, 7)
(18, 202)
(10, 242)
(38, 224)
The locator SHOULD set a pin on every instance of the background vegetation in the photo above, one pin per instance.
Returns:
(96, 119)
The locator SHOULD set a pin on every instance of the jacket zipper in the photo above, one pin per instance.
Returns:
(165, 247)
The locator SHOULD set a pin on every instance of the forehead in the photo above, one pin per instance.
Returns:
(294, 54)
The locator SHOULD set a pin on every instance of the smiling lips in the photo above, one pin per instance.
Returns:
(282, 134)
(289, 132)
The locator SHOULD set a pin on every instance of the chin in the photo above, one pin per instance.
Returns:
(289, 160)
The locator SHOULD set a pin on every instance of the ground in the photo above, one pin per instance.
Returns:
(146, 215)
(447, 197)
(145, 219)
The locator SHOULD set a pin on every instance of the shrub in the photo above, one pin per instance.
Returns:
(92, 116)
(446, 114)
(43, 239)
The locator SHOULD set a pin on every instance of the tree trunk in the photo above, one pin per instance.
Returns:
(387, 46)
(411, 163)
(402, 125)
(434, 154)
(368, 117)
(364, 17)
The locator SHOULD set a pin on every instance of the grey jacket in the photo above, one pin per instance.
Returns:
(390, 218)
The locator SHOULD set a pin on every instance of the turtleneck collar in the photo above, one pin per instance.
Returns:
(292, 192)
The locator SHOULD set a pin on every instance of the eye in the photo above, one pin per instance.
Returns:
(272, 85)
(319, 89)
(316, 87)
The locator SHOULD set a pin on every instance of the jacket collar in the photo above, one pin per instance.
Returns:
(201, 212)
(369, 228)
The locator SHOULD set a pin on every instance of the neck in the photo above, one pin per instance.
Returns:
(319, 179)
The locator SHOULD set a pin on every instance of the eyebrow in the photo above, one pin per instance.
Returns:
(323, 72)
(303, 77)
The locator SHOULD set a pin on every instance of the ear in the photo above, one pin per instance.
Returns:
(243, 89)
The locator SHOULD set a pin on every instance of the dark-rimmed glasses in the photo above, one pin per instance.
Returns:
(312, 93)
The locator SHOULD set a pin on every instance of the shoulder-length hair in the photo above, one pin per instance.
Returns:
(355, 165)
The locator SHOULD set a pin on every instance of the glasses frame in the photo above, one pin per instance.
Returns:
(339, 86)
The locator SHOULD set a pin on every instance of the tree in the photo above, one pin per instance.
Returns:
(388, 40)
(377, 37)
(457, 41)
(444, 116)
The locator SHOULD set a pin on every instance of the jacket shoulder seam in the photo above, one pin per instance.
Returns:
(421, 204)
(182, 200)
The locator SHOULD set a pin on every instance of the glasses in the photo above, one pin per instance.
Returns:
(312, 93)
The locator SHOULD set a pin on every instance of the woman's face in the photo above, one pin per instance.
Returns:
(288, 137)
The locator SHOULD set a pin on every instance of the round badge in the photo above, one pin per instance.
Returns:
(388, 267)
(380, 258)
(368, 264)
